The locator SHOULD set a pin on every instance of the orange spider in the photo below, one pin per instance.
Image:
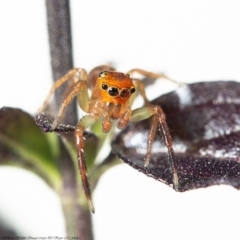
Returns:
(111, 99)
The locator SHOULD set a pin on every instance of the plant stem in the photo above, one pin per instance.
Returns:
(78, 218)
(59, 30)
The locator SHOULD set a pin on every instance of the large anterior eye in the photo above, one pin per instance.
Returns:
(113, 91)
(124, 93)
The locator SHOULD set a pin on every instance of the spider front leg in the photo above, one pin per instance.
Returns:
(158, 119)
(79, 88)
(72, 76)
(84, 123)
(78, 80)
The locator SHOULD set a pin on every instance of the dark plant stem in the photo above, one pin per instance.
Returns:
(59, 30)
(78, 218)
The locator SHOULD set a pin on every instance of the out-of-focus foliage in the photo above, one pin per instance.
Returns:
(23, 144)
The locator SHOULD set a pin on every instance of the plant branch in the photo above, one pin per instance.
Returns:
(59, 30)
(78, 218)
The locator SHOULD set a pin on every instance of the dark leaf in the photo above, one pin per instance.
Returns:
(204, 121)
(45, 123)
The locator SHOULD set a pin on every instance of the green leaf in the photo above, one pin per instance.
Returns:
(20, 134)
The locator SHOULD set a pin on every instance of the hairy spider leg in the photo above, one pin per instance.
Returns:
(74, 75)
(84, 123)
(151, 74)
(79, 89)
(158, 119)
(141, 90)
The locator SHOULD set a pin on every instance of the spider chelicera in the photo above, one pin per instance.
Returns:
(112, 95)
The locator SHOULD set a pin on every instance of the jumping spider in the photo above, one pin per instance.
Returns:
(112, 95)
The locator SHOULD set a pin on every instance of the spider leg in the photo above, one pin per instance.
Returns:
(158, 119)
(84, 123)
(124, 119)
(151, 74)
(141, 89)
(73, 75)
(79, 88)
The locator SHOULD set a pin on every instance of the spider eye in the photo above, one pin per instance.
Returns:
(104, 86)
(113, 91)
(124, 93)
(132, 90)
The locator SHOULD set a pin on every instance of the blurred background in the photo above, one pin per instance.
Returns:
(189, 41)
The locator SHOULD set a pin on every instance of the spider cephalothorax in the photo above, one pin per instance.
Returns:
(112, 86)
(111, 98)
